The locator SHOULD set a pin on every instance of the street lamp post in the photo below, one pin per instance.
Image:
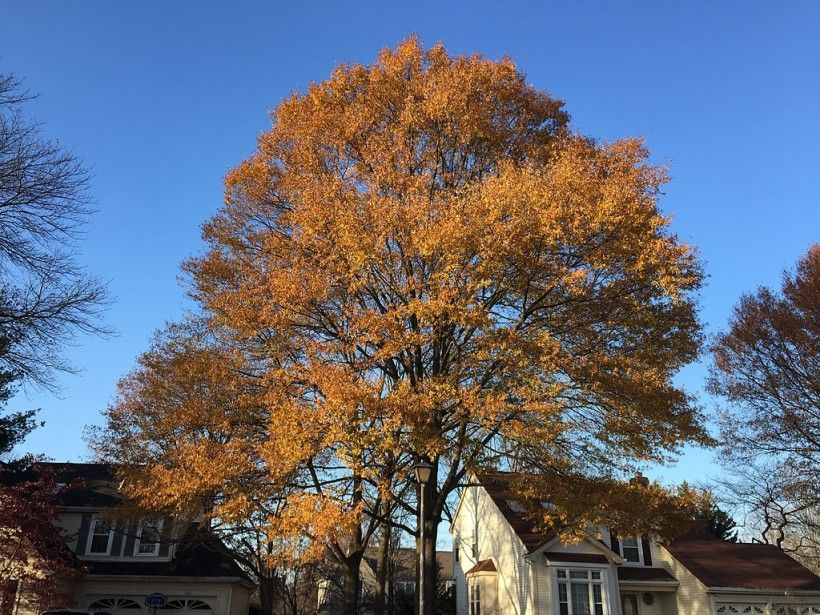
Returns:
(423, 471)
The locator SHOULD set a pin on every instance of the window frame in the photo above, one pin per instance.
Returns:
(638, 545)
(92, 531)
(601, 582)
(474, 597)
(160, 523)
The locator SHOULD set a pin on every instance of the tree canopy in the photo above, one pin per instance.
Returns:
(421, 261)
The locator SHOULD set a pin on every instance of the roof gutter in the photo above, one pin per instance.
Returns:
(763, 592)
(166, 577)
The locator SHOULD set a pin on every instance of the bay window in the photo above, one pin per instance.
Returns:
(580, 591)
(475, 598)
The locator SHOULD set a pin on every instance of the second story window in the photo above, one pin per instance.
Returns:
(149, 537)
(101, 535)
(631, 549)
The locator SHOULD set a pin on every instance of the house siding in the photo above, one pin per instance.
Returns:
(691, 597)
(479, 520)
(527, 583)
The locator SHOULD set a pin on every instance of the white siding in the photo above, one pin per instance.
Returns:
(240, 599)
(691, 597)
(479, 520)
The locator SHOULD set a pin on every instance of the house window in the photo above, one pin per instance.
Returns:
(149, 537)
(101, 537)
(631, 549)
(580, 592)
(475, 598)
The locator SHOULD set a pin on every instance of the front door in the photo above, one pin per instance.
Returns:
(629, 604)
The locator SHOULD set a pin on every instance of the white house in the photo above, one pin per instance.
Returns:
(504, 566)
(124, 561)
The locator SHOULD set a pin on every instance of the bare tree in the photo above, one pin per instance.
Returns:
(46, 296)
(777, 509)
(767, 365)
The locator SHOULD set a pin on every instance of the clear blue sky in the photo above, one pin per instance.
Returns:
(162, 98)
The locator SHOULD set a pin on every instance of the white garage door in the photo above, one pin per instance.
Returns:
(763, 609)
(130, 606)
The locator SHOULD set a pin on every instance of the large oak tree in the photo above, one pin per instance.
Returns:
(422, 261)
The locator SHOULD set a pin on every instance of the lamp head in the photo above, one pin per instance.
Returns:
(423, 470)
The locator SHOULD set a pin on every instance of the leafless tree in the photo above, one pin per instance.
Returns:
(46, 296)
(777, 509)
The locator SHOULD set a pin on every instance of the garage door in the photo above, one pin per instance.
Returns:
(763, 609)
(130, 606)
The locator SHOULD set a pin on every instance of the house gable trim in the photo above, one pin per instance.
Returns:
(606, 552)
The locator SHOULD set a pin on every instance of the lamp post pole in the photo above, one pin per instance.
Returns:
(423, 470)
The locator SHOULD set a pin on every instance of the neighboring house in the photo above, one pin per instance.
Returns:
(401, 582)
(504, 566)
(123, 561)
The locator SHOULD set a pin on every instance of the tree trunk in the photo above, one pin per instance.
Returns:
(267, 594)
(350, 585)
(380, 594)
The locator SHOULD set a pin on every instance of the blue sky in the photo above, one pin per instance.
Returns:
(160, 99)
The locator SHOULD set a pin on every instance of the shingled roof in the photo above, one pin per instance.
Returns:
(523, 523)
(741, 565)
(199, 554)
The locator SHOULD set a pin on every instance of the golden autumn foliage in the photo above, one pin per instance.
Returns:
(422, 260)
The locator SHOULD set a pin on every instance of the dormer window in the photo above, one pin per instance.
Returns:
(516, 506)
(149, 537)
(102, 535)
(631, 549)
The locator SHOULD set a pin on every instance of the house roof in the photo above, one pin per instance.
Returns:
(199, 553)
(485, 565)
(586, 558)
(645, 574)
(717, 563)
(91, 485)
(523, 523)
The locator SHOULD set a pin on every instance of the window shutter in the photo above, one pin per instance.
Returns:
(165, 540)
(82, 535)
(116, 542)
(613, 542)
(130, 539)
(647, 554)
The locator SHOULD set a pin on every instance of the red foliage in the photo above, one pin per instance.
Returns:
(33, 550)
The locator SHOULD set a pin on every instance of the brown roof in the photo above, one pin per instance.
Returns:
(644, 573)
(741, 565)
(586, 558)
(524, 524)
(485, 565)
